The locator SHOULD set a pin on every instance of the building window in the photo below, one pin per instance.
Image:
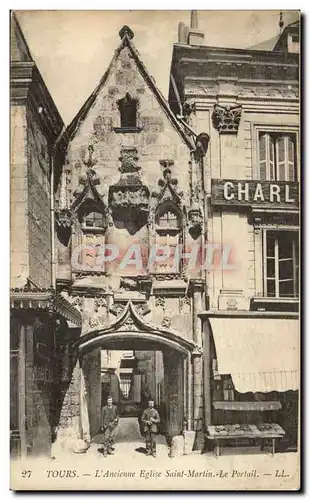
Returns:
(91, 239)
(125, 384)
(277, 157)
(281, 264)
(168, 225)
(128, 111)
(94, 219)
(167, 220)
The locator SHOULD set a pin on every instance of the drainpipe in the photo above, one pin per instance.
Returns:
(52, 207)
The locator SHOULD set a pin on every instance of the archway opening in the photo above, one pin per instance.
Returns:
(131, 368)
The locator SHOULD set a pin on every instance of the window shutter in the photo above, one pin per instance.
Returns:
(266, 158)
(281, 151)
(272, 174)
(291, 159)
(263, 156)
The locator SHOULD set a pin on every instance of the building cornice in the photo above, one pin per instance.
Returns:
(215, 67)
(248, 314)
(47, 301)
(27, 87)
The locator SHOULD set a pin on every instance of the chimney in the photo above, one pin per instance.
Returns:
(195, 36)
(182, 33)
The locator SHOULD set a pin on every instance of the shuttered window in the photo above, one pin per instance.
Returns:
(277, 157)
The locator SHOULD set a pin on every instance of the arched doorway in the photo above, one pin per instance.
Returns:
(129, 333)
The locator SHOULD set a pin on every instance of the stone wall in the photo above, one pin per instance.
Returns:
(30, 201)
(19, 198)
(39, 212)
(91, 367)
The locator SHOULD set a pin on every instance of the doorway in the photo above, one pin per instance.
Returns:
(131, 377)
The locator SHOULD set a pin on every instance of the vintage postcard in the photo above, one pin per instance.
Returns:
(155, 169)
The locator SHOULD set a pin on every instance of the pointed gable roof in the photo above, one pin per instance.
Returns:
(127, 35)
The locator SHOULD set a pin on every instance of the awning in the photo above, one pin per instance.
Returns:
(260, 354)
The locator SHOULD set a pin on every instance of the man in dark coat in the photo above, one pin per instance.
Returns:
(150, 420)
(109, 421)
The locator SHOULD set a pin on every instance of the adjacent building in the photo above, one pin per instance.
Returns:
(247, 101)
(39, 315)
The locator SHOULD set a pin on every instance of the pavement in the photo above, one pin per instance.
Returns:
(130, 469)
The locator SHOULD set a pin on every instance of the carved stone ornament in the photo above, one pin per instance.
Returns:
(195, 219)
(166, 322)
(63, 219)
(89, 184)
(97, 322)
(168, 276)
(78, 302)
(126, 32)
(197, 352)
(160, 302)
(129, 197)
(167, 186)
(99, 302)
(117, 309)
(226, 119)
(184, 301)
(130, 324)
(128, 284)
(142, 309)
(188, 109)
(201, 146)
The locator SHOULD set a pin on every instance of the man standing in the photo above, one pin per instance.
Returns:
(150, 419)
(109, 421)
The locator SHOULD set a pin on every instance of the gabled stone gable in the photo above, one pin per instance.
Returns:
(157, 137)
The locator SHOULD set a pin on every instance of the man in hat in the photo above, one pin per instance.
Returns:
(109, 421)
(150, 420)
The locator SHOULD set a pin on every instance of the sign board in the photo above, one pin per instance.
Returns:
(250, 193)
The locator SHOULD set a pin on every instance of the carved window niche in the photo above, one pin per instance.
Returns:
(93, 226)
(168, 231)
(128, 107)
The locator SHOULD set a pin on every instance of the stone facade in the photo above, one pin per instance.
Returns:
(39, 201)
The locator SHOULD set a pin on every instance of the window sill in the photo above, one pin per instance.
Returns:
(274, 304)
(94, 230)
(81, 273)
(167, 230)
(127, 130)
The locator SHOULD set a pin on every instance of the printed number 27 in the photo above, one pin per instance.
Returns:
(26, 473)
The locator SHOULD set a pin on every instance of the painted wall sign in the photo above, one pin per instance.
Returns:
(242, 192)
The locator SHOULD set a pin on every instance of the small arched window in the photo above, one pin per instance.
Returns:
(167, 220)
(94, 219)
(128, 111)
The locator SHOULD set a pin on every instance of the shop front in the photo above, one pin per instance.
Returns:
(254, 378)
